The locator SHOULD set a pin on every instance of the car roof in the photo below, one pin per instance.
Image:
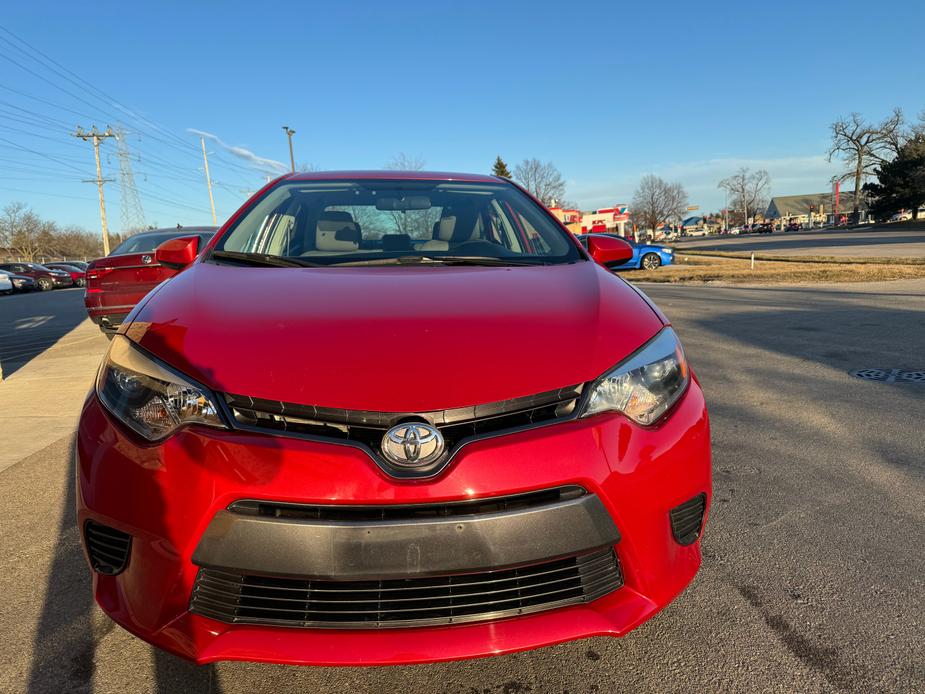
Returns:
(173, 230)
(395, 175)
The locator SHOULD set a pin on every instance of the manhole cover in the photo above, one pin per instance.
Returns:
(891, 375)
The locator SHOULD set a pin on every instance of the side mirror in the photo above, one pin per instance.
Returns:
(607, 250)
(177, 253)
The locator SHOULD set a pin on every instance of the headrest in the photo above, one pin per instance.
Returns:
(443, 230)
(335, 235)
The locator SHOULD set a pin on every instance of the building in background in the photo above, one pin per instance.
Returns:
(569, 217)
(609, 219)
(813, 208)
(705, 224)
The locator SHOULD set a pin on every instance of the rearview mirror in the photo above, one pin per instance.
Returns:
(177, 253)
(409, 202)
(608, 251)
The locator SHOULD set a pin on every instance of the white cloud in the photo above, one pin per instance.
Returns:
(789, 176)
(263, 163)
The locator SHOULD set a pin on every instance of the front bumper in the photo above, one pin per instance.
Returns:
(170, 497)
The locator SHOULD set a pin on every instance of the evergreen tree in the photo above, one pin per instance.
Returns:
(901, 182)
(500, 168)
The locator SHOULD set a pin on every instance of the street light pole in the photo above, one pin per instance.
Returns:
(289, 133)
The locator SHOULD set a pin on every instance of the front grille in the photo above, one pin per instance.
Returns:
(687, 519)
(367, 427)
(249, 599)
(107, 548)
(396, 512)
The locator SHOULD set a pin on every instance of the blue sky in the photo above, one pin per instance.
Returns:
(607, 91)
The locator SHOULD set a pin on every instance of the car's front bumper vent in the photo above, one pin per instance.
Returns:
(687, 519)
(107, 548)
(397, 512)
(371, 604)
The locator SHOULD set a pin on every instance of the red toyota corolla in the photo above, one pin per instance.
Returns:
(389, 418)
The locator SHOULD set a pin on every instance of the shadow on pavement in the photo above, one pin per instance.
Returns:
(31, 323)
(64, 651)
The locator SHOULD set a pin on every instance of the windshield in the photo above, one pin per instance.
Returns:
(144, 243)
(389, 221)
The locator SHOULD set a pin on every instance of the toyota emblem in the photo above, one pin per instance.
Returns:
(412, 444)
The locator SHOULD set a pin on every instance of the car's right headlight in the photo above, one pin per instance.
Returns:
(148, 397)
(645, 385)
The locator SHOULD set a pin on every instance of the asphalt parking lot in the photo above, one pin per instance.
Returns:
(863, 243)
(813, 573)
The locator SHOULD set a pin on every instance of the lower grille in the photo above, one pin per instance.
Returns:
(248, 599)
(107, 547)
(687, 519)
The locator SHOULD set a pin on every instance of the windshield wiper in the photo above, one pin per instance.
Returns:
(263, 260)
(444, 260)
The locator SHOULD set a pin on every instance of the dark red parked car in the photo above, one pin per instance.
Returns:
(77, 274)
(46, 278)
(120, 280)
(391, 417)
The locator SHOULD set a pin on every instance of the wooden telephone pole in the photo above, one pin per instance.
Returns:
(96, 136)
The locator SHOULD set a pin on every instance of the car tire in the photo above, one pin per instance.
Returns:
(45, 284)
(81, 283)
(650, 261)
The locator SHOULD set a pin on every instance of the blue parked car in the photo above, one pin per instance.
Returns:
(645, 255)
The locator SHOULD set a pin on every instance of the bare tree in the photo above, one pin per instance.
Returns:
(542, 180)
(10, 221)
(864, 146)
(29, 237)
(657, 201)
(74, 242)
(406, 162)
(26, 235)
(416, 223)
(747, 190)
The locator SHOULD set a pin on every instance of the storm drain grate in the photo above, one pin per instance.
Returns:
(891, 375)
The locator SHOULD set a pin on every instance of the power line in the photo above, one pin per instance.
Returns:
(46, 156)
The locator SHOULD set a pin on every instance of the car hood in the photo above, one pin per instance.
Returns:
(399, 339)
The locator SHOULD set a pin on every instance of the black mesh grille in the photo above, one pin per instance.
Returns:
(237, 598)
(687, 519)
(107, 547)
(367, 427)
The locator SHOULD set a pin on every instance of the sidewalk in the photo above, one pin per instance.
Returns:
(41, 400)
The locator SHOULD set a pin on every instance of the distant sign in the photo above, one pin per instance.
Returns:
(691, 208)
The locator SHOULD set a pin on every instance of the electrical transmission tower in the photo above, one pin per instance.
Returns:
(133, 216)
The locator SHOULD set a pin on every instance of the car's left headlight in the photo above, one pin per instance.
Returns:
(646, 384)
(148, 397)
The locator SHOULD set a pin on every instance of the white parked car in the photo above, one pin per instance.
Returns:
(6, 284)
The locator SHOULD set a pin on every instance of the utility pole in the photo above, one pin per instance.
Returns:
(96, 136)
(289, 133)
(205, 159)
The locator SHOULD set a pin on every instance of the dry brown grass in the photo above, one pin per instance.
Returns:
(737, 270)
